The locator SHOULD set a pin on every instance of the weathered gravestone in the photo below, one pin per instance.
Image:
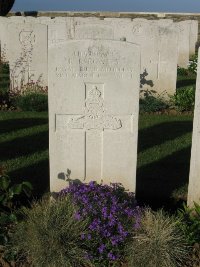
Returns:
(183, 28)
(26, 52)
(139, 31)
(59, 29)
(3, 23)
(165, 81)
(92, 28)
(194, 179)
(93, 111)
(193, 35)
(158, 60)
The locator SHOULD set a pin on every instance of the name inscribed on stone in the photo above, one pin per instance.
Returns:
(95, 62)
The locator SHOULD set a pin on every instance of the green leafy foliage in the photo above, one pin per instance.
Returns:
(184, 98)
(50, 235)
(32, 102)
(152, 102)
(8, 195)
(180, 194)
(182, 71)
(4, 86)
(193, 64)
(158, 242)
(190, 223)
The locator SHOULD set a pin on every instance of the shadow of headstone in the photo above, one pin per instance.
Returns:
(144, 81)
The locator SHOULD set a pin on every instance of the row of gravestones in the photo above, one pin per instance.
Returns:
(164, 45)
(94, 89)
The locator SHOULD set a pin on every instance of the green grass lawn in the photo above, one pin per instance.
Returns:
(183, 81)
(164, 147)
(24, 148)
(163, 152)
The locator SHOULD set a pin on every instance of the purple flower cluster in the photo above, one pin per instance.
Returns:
(112, 214)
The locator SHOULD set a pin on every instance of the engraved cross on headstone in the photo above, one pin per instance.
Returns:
(158, 63)
(31, 73)
(93, 122)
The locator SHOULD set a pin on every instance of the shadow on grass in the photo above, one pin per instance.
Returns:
(37, 174)
(18, 124)
(185, 82)
(156, 181)
(160, 133)
(24, 146)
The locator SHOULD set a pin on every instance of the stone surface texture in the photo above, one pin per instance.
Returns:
(28, 56)
(183, 43)
(194, 179)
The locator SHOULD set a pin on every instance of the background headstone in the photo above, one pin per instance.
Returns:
(3, 23)
(165, 82)
(183, 28)
(59, 29)
(193, 36)
(194, 179)
(27, 53)
(92, 29)
(158, 60)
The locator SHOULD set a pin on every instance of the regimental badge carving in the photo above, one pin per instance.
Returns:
(21, 72)
(137, 29)
(27, 38)
(95, 117)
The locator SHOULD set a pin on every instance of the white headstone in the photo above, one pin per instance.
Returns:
(183, 28)
(194, 179)
(165, 83)
(17, 19)
(193, 35)
(158, 60)
(163, 22)
(27, 53)
(59, 29)
(139, 31)
(118, 20)
(82, 20)
(43, 19)
(93, 111)
(3, 23)
(97, 29)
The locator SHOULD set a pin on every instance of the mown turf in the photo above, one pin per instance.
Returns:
(164, 146)
(183, 81)
(163, 152)
(24, 148)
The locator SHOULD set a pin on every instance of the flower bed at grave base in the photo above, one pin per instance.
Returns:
(112, 212)
(94, 225)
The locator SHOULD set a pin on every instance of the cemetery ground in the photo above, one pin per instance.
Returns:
(163, 159)
(69, 98)
(163, 152)
(164, 148)
(164, 144)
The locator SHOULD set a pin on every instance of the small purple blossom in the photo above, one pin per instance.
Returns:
(111, 256)
(101, 248)
(77, 216)
(109, 209)
(82, 236)
(89, 236)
